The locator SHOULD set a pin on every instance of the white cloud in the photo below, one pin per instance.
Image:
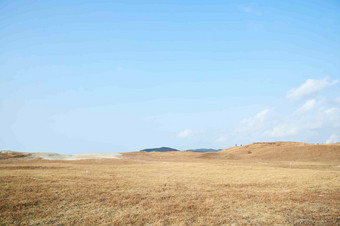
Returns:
(333, 114)
(333, 139)
(312, 121)
(255, 122)
(337, 100)
(332, 111)
(196, 134)
(262, 114)
(309, 88)
(258, 117)
(222, 138)
(314, 124)
(309, 105)
(283, 131)
(185, 133)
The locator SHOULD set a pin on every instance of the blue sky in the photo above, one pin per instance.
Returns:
(117, 76)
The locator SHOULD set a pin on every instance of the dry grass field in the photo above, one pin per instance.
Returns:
(178, 188)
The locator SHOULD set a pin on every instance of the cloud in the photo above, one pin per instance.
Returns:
(283, 131)
(309, 105)
(255, 122)
(262, 114)
(196, 134)
(314, 124)
(222, 138)
(185, 133)
(258, 117)
(332, 111)
(312, 121)
(333, 139)
(309, 88)
(333, 114)
(337, 100)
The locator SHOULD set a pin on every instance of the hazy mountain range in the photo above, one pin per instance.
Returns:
(205, 150)
(165, 149)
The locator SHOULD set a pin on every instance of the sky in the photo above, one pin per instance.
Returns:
(118, 76)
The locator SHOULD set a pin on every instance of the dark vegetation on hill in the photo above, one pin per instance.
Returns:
(161, 149)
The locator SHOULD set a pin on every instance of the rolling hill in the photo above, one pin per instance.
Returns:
(262, 151)
(280, 151)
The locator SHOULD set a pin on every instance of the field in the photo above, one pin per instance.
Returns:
(169, 188)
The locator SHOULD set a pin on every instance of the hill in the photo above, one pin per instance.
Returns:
(54, 156)
(280, 151)
(263, 151)
(5, 154)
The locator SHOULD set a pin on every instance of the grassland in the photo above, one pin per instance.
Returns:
(169, 188)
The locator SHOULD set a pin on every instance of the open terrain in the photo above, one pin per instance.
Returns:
(263, 183)
(54, 156)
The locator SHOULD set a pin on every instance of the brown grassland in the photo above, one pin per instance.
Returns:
(177, 188)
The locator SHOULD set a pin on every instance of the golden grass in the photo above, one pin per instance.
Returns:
(283, 151)
(167, 188)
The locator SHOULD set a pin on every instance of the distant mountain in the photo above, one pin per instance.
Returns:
(205, 150)
(162, 149)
